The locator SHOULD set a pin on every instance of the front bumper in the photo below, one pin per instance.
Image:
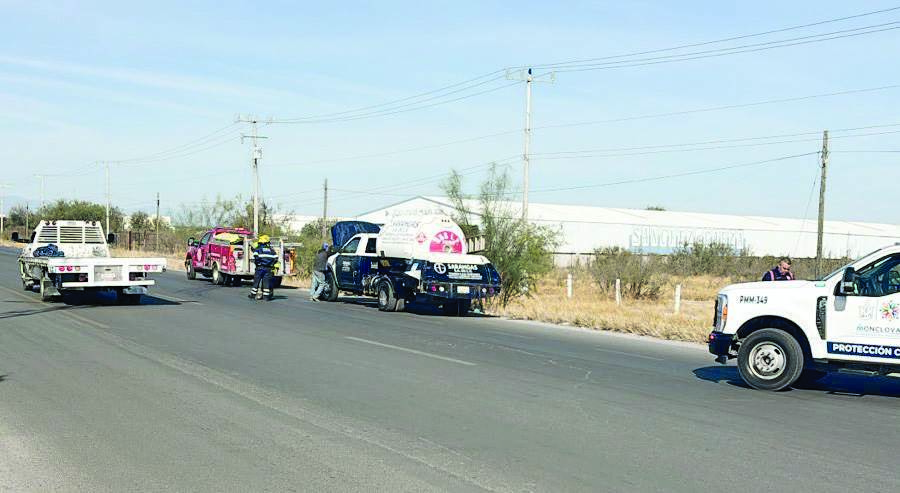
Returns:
(720, 345)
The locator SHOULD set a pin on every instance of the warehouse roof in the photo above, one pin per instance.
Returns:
(585, 228)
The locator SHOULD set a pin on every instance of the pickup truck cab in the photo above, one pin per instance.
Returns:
(448, 280)
(785, 331)
(225, 254)
(66, 256)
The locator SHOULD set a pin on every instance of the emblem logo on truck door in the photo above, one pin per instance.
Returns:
(440, 268)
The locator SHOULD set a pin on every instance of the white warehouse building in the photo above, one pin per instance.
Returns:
(584, 229)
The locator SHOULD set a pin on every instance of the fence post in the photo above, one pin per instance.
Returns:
(677, 298)
(618, 292)
(569, 285)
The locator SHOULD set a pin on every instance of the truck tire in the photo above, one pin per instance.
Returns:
(128, 299)
(331, 288)
(217, 278)
(189, 268)
(770, 359)
(276, 282)
(387, 300)
(45, 291)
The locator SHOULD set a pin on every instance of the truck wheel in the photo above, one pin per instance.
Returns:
(217, 278)
(331, 288)
(27, 285)
(387, 302)
(45, 290)
(276, 282)
(770, 359)
(189, 268)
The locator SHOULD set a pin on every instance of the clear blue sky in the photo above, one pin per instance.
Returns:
(87, 81)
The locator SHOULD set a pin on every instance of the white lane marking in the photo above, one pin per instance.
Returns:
(413, 351)
(634, 355)
(88, 321)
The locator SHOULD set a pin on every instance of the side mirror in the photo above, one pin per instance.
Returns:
(191, 241)
(111, 238)
(848, 282)
(14, 236)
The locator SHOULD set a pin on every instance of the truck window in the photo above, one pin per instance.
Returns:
(370, 245)
(881, 278)
(205, 238)
(350, 247)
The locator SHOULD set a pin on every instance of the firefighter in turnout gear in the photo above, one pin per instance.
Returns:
(266, 259)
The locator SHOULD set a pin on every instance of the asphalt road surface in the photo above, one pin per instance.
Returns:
(201, 389)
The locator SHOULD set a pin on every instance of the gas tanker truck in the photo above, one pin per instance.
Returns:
(412, 258)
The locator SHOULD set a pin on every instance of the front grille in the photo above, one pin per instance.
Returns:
(108, 273)
(821, 309)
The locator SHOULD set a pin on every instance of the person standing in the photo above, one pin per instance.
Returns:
(320, 264)
(781, 272)
(266, 260)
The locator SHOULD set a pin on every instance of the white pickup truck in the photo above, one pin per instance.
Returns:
(74, 256)
(785, 331)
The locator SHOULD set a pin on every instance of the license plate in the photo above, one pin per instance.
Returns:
(107, 276)
(462, 289)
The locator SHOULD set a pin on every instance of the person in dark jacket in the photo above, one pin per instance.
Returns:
(266, 259)
(781, 272)
(318, 273)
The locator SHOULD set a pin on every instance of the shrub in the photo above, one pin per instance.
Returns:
(641, 276)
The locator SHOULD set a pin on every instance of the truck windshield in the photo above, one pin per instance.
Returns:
(841, 268)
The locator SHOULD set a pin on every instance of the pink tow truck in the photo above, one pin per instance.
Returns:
(225, 254)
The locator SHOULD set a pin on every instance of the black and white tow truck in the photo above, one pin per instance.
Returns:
(412, 259)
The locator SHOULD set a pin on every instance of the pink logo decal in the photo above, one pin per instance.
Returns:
(420, 238)
(446, 242)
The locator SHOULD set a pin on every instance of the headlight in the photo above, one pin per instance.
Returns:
(721, 315)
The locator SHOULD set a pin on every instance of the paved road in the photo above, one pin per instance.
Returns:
(200, 389)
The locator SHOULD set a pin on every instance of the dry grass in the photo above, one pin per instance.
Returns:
(592, 308)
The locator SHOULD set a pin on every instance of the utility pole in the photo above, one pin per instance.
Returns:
(108, 199)
(255, 156)
(41, 177)
(157, 222)
(2, 216)
(528, 77)
(821, 229)
(325, 213)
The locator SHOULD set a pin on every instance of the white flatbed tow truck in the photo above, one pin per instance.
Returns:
(70, 256)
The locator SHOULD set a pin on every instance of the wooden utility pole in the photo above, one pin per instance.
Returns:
(821, 229)
(157, 222)
(325, 214)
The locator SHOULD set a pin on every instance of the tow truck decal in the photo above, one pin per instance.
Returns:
(865, 350)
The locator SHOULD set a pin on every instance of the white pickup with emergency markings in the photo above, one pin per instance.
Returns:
(787, 331)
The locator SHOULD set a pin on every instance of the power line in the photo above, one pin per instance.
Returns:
(180, 148)
(719, 108)
(748, 48)
(674, 175)
(721, 40)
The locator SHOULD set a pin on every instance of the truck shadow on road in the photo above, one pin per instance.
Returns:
(833, 383)
(423, 309)
(109, 299)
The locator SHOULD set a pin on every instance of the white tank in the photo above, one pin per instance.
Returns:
(416, 236)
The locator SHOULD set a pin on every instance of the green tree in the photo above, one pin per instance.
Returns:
(520, 251)
(80, 210)
(311, 241)
(139, 221)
